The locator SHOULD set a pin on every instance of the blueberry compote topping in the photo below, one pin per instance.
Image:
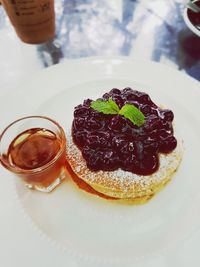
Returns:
(109, 142)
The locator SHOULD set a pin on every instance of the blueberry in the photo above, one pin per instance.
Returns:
(78, 123)
(87, 152)
(93, 163)
(168, 127)
(117, 123)
(120, 141)
(106, 96)
(133, 102)
(127, 90)
(152, 122)
(118, 100)
(167, 145)
(115, 91)
(144, 98)
(167, 115)
(93, 124)
(151, 146)
(146, 109)
(96, 115)
(163, 134)
(129, 162)
(155, 111)
(79, 138)
(129, 94)
(93, 141)
(81, 111)
(105, 134)
(87, 102)
(104, 142)
(148, 164)
(103, 160)
(130, 97)
(109, 160)
(153, 135)
(128, 148)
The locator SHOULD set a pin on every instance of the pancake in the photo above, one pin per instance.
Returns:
(120, 184)
(122, 146)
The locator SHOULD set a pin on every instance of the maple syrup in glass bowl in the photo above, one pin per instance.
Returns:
(34, 148)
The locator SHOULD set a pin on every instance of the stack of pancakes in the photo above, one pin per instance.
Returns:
(122, 185)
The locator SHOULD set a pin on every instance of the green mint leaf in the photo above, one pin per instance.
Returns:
(129, 111)
(113, 105)
(132, 113)
(106, 107)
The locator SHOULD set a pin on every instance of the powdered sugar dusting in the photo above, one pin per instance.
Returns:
(120, 180)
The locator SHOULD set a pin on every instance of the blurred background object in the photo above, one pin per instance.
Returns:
(147, 30)
(33, 21)
(192, 16)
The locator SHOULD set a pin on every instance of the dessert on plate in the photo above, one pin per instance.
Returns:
(122, 146)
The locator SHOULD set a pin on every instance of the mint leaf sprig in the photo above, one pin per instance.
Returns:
(129, 111)
(106, 107)
(132, 113)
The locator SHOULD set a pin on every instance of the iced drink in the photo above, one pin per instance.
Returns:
(33, 20)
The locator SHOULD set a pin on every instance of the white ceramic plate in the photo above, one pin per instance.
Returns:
(71, 228)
